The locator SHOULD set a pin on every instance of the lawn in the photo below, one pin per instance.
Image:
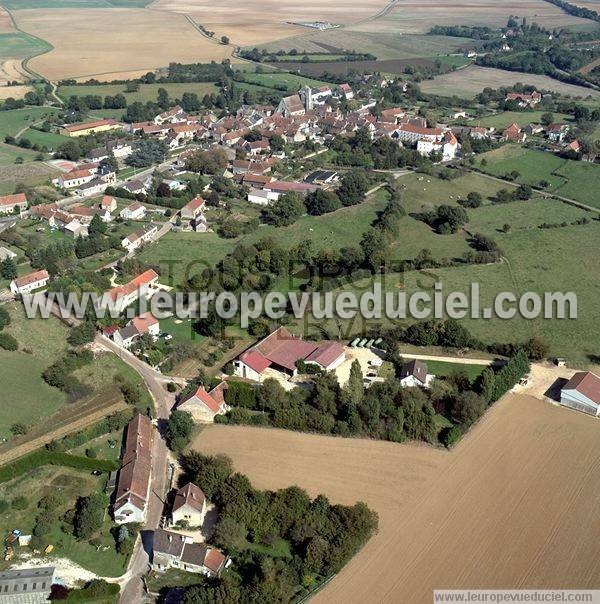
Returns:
(107, 446)
(273, 79)
(537, 260)
(41, 342)
(521, 118)
(147, 92)
(444, 369)
(68, 484)
(573, 179)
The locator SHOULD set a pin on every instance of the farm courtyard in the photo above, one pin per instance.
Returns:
(500, 509)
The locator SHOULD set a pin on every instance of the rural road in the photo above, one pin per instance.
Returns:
(132, 583)
(457, 360)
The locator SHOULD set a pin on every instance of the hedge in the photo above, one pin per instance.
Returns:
(43, 457)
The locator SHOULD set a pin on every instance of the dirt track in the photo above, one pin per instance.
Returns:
(513, 505)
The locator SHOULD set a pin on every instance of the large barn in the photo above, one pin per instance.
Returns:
(582, 392)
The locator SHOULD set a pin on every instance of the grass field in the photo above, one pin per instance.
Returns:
(19, 45)
(443, 369)
(28, 397)
(568, 178)
(291, 80)
(114, 44)
(468, 82)
(147, 92)
(18, 121)
(466, 517)
(521, 118)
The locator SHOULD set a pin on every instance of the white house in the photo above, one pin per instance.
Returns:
(447, 147)
(75, 178)
(8, 203)
(193, 208)
(122, 296)
(135, 329)
(76, 229)
(27, 283)
(189, 506)
(582, 392)
(108, 204)
(134, 211)
(347, 92)
(414, 373)
(137, 238)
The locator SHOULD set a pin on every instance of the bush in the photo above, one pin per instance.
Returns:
(8, 342)
(18, 429)
(19, 503)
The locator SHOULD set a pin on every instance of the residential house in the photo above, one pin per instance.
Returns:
(172, 550)
(134, 211)
(76, 229)
(447, 148)
(85, 214)
(74, 178)
(27, 283)
(10, 203)
(193, 208)
(133, 485)
(514, 134)
(135, 329)
(414, 373)
(582, 393)
(189, 506)
(256, 147)
(203, 406)
(281, 351)
(135, 187)
(121, 296)
(523, 99)
(136, 239)
(175, 115)
(108, 203)
(346, 91)
(557, 132)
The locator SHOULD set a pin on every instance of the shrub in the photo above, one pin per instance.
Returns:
(8, 342)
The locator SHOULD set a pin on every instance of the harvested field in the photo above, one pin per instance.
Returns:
(470, 81)
(6, 24)
(590, 66)
(342, 67)
(260, 21)
(418, 17)
(31, 174)
(499, 511)
(105, 43)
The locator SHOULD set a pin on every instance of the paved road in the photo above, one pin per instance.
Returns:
(132, 585)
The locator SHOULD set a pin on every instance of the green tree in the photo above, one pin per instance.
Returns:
(180, 428)
(89, 515)
(468, 407)
(285, 211)
(8, 269)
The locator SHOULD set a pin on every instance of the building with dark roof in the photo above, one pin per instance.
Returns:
(172, 550)
(189, 506)
(27, 585)
(414, 373)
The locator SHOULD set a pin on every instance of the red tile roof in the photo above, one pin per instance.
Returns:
(123, 290)
(87, 125)
(144, 322)
(201, 395)
(31, 278)
(13, 200)
(587, 383)
(255, 360)
(326, 354)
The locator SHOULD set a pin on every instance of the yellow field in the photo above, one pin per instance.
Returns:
(418, 17)
(512, 506)
(112, 43)
(259, 21)
(6, 24)
(470, 81)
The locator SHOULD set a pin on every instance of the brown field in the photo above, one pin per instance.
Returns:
(470, 81)
(418, 17)
(12, 70)
(259, 21)
(6, 24)
(588, 68)
(108, 42)
(512, 506)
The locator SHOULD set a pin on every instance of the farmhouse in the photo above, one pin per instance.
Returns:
(86, 128)
(172, 550)
(137, 238)
(134, 211)
(524, 100)
(192, 209)
(122, 296)
(26, 585)
(203, 406)
(27, 283)
(582, 392)
(75, 178)
(414, 373)
(281, 351)
(135, 329)
(514, 134)
(10, 203)
(133, 486)
(189, 506)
